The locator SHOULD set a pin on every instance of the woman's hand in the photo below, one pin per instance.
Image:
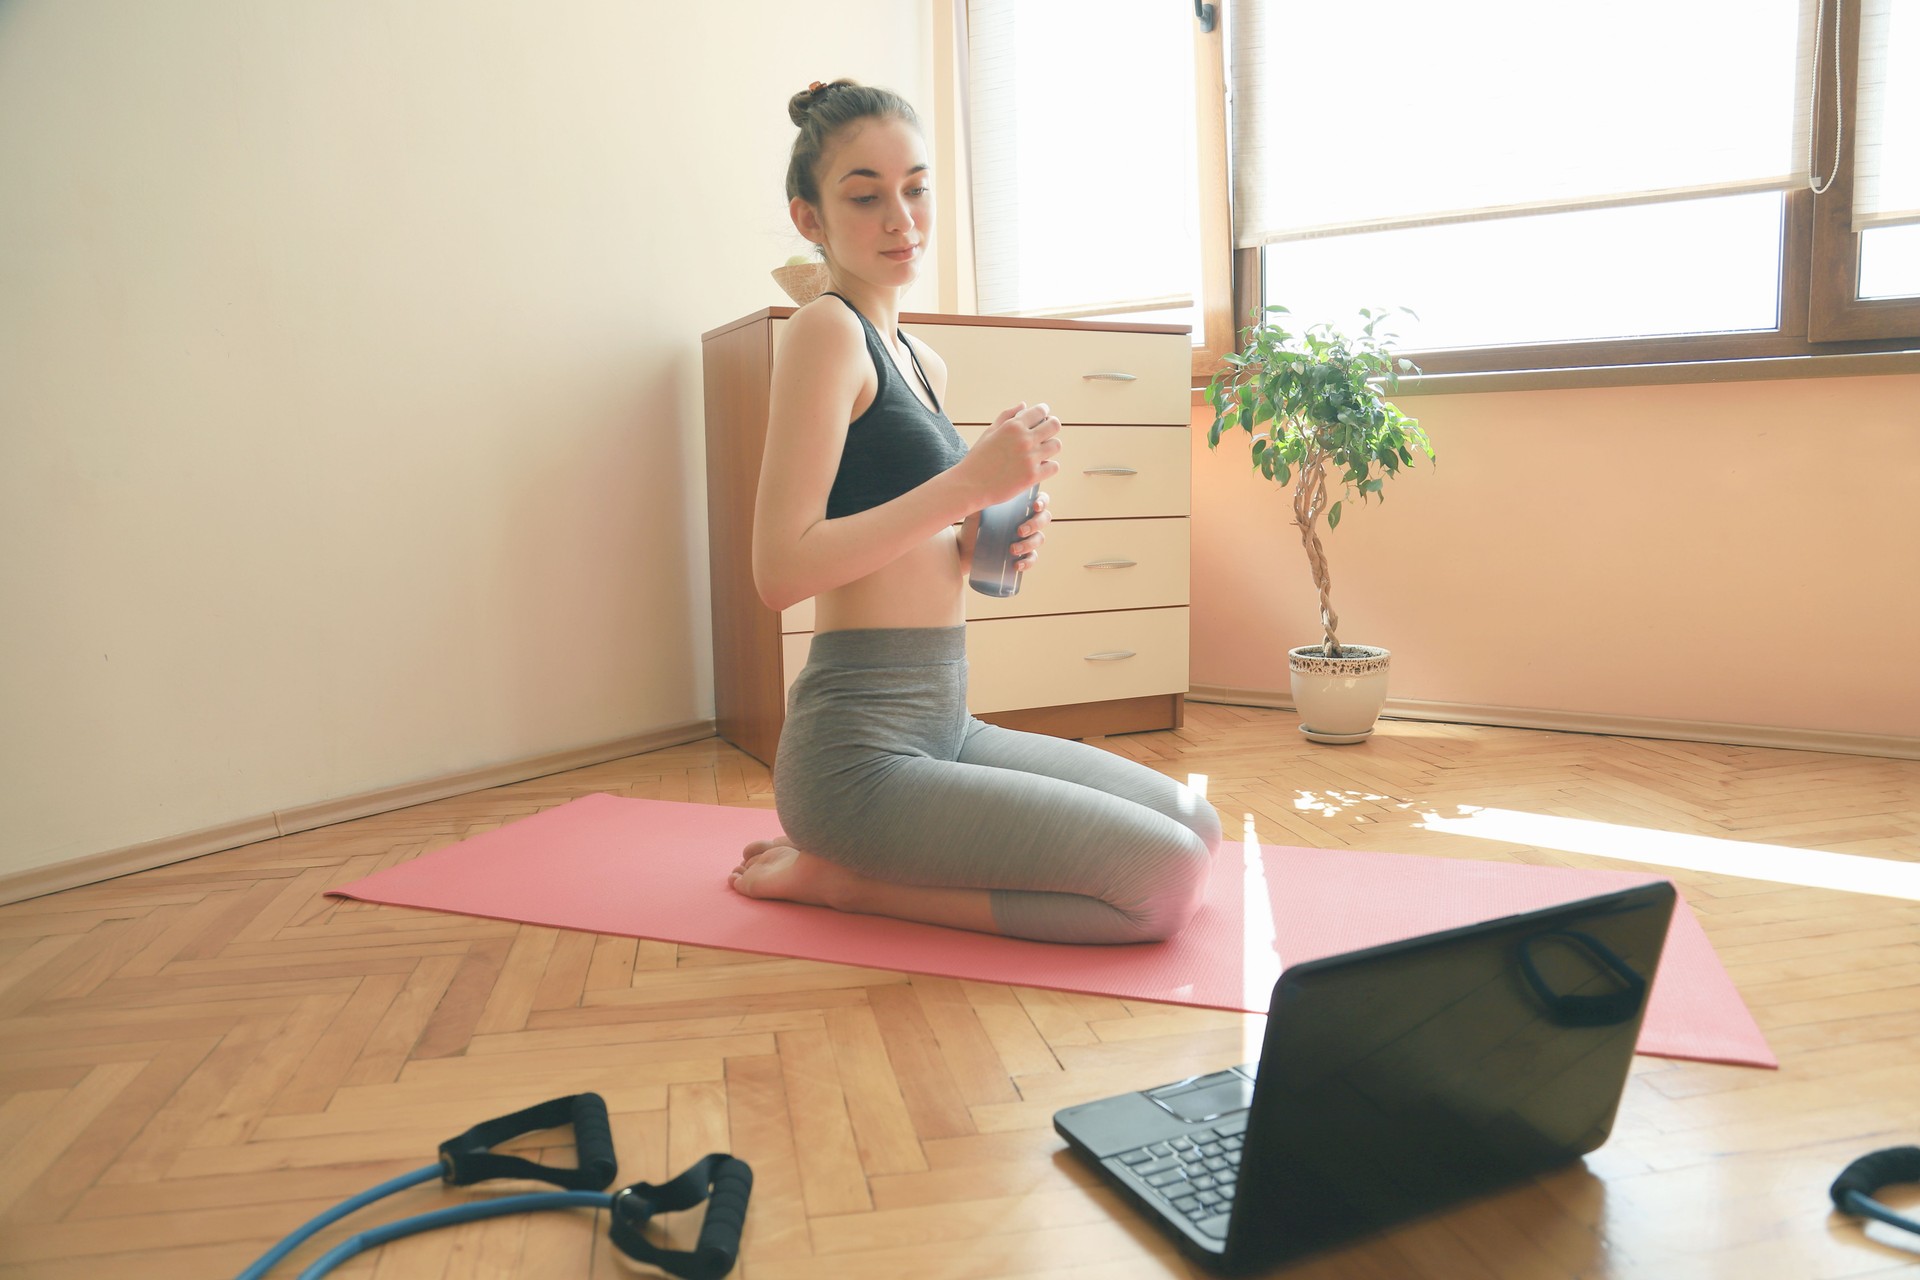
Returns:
(1028, 537)
(1031, 533)
(1015, 453)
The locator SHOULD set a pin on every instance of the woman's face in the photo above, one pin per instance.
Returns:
(876, 203)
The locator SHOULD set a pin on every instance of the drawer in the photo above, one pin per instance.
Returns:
(1045, 662)
(1087, 565)
(1084, 375)
(1079, 657)
(1092, 565)
(1111, 472)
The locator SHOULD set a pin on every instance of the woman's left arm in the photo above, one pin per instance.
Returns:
(1034, 531)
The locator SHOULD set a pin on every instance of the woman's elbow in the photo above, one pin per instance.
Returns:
(775, 595)
(777, 591)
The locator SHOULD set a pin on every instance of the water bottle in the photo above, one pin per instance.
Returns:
(992, 572)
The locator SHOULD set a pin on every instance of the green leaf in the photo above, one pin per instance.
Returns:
(1333, 516)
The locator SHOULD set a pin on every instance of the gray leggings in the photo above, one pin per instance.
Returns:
(882, 770)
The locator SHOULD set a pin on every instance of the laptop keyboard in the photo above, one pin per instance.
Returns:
(1196, 1174)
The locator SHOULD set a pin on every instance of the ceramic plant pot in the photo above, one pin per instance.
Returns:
(803, 282)
(1338, 698)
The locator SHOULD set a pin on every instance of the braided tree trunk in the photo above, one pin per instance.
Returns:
(1309, 499)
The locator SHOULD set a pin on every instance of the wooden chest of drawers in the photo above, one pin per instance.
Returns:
(1096, 640)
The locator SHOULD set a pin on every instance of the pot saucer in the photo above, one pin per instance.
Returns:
(1336, 739)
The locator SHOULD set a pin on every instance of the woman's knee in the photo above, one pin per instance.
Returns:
(1178, 891)
(1190, 809)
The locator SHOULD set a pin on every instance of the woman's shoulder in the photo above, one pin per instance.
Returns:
(826, 321)
(825, 347)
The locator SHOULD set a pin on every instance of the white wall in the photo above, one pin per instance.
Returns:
(350, 413)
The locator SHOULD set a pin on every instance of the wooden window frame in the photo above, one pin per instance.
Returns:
(1837, 312)
(1219, 270)
(1820, 312)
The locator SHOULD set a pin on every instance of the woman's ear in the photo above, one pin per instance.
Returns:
(806, 220)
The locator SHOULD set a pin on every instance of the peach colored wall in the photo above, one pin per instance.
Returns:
(1733, 553)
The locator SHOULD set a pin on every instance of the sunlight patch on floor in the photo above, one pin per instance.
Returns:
(1259, 950)
(1781, 864)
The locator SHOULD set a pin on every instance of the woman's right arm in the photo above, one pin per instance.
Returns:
(797, 552)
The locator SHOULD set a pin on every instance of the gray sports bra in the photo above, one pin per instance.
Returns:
(898, 444)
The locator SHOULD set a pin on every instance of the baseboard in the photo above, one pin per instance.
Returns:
(1890, 746)
(231, 835)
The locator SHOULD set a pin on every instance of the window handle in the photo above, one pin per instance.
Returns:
(1109, 471)
(1204, 12)
(1110, 564)
(1109, 377)
(1111, 655)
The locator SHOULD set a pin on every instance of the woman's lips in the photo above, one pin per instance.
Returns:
(901, 255)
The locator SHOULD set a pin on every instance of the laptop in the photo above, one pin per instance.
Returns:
(1394, 1082)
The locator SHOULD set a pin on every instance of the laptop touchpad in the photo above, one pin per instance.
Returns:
(1205, 1097)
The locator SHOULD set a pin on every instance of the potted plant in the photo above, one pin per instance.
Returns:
(1316, 402)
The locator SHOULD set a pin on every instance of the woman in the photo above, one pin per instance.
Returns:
(892, 798)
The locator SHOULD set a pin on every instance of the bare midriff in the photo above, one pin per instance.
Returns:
(923, 588)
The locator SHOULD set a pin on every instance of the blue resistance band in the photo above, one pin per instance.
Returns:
(727, 1180)
(469, 1158)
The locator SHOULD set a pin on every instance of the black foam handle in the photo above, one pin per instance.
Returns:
(593, 1140)
(727, 1210)
(470, 1158)
(1871, 1172)
(720, 1179)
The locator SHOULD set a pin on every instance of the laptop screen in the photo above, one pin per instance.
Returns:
(1398, 1082)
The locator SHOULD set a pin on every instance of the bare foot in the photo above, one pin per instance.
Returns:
(761, 846)
(782, 872)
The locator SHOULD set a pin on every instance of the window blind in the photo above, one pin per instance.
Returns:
(1886, 153)
(1375, 114)
(1081, 116)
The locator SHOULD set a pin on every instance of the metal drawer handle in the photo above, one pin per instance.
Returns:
(1110, 471)
(1112, 655)
(1110, 564)
(1108, 377)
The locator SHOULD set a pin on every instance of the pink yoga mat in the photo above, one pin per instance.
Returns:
(658, 869)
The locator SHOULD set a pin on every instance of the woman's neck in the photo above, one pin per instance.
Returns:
(880, 306)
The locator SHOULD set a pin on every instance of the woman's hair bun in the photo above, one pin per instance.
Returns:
(804, 101)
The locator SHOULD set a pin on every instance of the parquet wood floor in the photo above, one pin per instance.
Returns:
(195, 1059)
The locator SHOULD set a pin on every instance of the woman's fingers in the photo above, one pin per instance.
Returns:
(1019, 449)
(1037, 521)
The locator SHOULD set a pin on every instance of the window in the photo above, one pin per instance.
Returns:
(1546, 185)
(1096, 143)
